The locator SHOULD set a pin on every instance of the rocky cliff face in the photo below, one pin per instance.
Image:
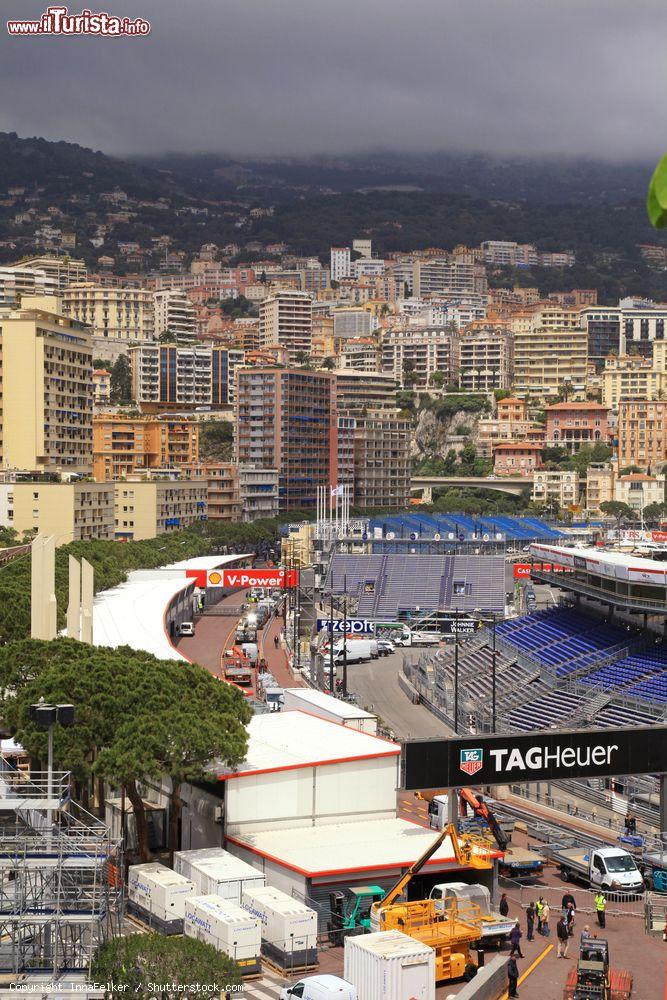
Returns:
(437, 436)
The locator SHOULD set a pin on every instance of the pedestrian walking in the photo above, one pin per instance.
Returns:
(569, 918)
(546, 911)
(628, 823)
(504, 906)
(539, 906)
(600, 907)
(515, 940)
(276, 641)
(530, 921)
(563, 938)
(512, 977)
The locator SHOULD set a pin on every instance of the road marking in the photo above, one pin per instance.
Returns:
(262, 990)
(531, 968)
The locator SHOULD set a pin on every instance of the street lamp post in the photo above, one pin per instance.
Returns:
(489, 618)
(456, 670)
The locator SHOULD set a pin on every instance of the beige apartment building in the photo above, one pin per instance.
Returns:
(222, 483)
(47, 389)
(286, 320)
(635, 377)
(71, 512)
(556, 487)
(124, 445)
(485, 359)
(119, 317)
(600, 480)
(550, 353)
(642, 433)
(382, 459)
(151, 507)
(639, 490)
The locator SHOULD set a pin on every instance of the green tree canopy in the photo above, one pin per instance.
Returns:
(140, 960)
(136, 716)
(615, 508)
(120, 381)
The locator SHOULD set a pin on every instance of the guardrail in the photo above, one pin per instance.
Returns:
(14, 552)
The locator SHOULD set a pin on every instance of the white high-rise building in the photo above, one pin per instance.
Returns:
(175, 315)
(340, 263)
(286, 320)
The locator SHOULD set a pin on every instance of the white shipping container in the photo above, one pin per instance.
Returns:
(159, 890)
(389, 965)
(217, 872)
(286, 923)
(226, 926)
(325, 706)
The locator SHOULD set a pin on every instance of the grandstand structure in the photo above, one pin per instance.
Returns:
(554, 668)
(396, 587)
(431, 533)
(60, 884)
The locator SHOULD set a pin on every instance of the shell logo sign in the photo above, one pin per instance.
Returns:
(244, 577)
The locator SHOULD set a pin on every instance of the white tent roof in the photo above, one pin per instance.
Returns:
(132, 614)
(281, 741)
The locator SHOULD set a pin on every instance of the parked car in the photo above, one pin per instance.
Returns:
(186, 628)
(385, 647)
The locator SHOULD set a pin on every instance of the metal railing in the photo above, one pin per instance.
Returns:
(619, 904)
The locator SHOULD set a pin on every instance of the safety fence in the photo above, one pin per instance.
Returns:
(618, 904)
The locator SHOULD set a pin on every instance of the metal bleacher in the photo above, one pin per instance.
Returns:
(388, 586)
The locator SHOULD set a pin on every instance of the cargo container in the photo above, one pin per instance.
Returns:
(289, 927)
(228, 927)
(157, 895)
(217, 872)
(390, 965)
(325, 706)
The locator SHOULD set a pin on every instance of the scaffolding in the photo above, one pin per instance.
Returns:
(60, 881)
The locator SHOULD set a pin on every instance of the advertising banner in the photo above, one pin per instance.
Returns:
(543, 755)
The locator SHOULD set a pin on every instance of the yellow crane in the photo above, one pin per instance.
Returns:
(449, 932)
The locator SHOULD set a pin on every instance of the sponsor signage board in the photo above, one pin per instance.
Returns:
(522, 570)
(232, 578)
(543, 755)
(346, 626)
(462, 625)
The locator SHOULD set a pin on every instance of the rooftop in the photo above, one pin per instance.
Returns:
(334, 705)
(337, 848)
(576, 406)
(281, 741)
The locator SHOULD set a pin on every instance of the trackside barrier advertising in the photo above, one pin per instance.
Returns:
(542, 755)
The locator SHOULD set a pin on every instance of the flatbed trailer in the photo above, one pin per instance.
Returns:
(519, 862)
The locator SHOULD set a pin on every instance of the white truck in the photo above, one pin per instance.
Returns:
(609, 868)
(357, 651)
(495, 928)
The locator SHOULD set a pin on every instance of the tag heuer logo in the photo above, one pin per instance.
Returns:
(472, 761)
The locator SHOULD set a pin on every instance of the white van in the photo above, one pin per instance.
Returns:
(186, 628)
(320, 988)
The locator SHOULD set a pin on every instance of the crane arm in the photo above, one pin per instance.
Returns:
(405, 879)
(480, 809)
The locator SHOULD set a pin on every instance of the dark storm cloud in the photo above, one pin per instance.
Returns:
(576, 77)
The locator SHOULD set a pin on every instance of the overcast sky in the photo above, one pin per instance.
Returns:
(537, 77)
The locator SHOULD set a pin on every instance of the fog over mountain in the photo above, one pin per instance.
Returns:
(261, 78)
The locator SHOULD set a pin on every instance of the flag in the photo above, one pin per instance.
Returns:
(337, 491)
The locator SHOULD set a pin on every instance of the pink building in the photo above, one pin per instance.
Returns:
(516, 459)
(571, 425)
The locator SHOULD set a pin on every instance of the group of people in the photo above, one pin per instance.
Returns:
(540, 912)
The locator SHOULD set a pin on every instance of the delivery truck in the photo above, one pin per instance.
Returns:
(451, 895)
(228, 927)
(609, 868)
(157, 895)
